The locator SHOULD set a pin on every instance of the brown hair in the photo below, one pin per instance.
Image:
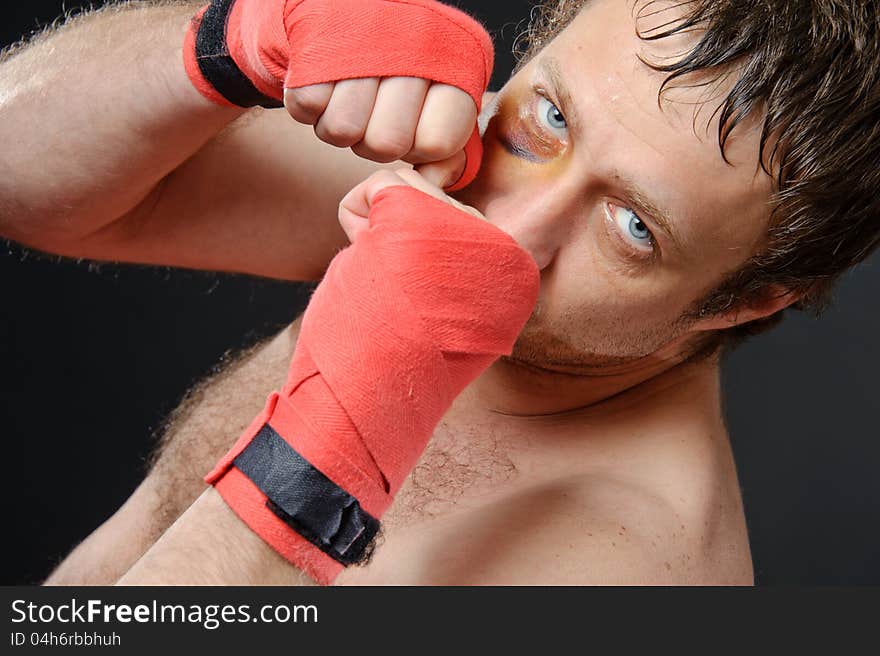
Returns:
(811, 70)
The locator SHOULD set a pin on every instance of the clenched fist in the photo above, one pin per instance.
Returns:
(395, 118)
(392, 79)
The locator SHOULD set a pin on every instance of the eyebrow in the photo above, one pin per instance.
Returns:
(550, 69)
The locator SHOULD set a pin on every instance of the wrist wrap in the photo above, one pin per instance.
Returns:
(404, 319)
(212, 69)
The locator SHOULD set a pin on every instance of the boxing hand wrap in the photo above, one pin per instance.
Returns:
(404, 319)
(246, 52)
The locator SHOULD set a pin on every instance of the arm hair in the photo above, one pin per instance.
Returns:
(205, 425)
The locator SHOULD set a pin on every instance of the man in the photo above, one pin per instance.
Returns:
(596, 452)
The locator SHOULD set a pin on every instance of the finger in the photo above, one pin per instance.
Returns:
(445, 124)
(415, 179)
(306, 104)
(444, 173)
(352, 224)
(345, 119)
(392, 128)
(473, 158)
(359, 200)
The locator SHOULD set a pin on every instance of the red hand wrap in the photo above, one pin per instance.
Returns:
(405, 318)
(283, 45)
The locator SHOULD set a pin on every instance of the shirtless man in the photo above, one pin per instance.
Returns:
(596, 453)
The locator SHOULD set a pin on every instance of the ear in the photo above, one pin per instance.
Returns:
(775, 299)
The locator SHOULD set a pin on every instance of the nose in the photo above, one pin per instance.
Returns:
(532, 222)
(537, 213)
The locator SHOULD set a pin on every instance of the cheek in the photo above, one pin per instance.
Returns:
(504, 182)
(601, 303)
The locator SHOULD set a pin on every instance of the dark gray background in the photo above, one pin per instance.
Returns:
(93, 360)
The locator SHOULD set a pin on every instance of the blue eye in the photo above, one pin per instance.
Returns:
(550, 113)
(631, 227)
(637, 228)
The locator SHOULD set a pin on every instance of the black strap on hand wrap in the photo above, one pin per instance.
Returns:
(218, 67)
(306, 500)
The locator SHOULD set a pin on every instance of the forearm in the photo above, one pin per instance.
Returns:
(210, 545)
(94, 115)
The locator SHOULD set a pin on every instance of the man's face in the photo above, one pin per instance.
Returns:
(629, 208)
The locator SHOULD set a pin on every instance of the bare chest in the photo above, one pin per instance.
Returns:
(462, 479)
(477, 510)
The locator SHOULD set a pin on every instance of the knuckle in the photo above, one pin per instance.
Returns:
(307, 101)
(435, 146)
(391, 145)
(339, 131)
(362, 150)
(301, 115)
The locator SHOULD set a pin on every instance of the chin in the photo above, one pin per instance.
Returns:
(550, 347)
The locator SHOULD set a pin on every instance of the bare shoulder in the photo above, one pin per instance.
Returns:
(599, 531)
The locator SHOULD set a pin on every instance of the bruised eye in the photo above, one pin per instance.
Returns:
(631, 227)
(550, 114)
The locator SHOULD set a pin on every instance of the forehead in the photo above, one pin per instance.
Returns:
(671, 147)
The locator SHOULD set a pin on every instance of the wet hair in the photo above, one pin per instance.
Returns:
(810, 71)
